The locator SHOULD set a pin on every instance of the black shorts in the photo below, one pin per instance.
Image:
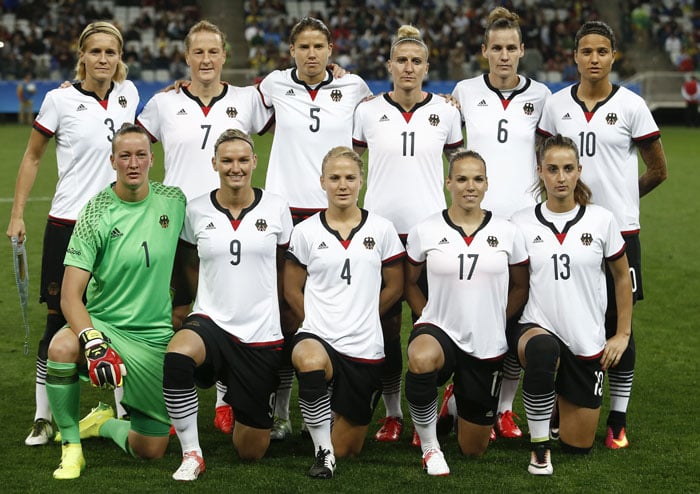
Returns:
(356, 385)
(300, 214)
(56, 238)
(633, 249)
(477, 382)
(422, 283)
(249, 372)
(579, 379)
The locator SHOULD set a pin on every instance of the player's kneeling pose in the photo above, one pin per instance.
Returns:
(234, 240)
(343, 271)
(561, 340)
(122, 250)
(471, 258)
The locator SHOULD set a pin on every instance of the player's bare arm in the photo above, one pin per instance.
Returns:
(413, 294)
(392, 276)
(294, 281)
(655, 160)
(518, 289)
(616, 345)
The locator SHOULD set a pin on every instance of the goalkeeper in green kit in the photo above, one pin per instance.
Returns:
(122, 251)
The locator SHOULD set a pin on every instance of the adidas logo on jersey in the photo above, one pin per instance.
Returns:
(538, 240)
(322, 245)
(81, 107)
(181, 112)
(384, 118)
(443, 241)
(482, 103)
(290, 93)
(566, 117)
(210, 226)
(116, 233)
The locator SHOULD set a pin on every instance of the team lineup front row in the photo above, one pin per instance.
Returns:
(336, 273)
(279, 294)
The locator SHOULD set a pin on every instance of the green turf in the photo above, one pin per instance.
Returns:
(665, 452)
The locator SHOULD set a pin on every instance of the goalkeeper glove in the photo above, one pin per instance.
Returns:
(105, 366)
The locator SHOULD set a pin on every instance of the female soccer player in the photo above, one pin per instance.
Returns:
(188, 123)
(406, 131)
(83, 118)
(343, 271)
(611, 125)
(235, 237)
(562, 331)
(122, 252)
(501, 110)
(470, 256)
(313, 112)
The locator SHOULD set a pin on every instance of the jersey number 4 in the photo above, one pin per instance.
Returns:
(345, 272)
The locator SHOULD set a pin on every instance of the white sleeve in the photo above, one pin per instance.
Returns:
(414, 247)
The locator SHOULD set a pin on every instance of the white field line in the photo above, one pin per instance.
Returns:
(31, 199)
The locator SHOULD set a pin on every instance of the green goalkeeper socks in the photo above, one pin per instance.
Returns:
(117, 431)
(63, 391)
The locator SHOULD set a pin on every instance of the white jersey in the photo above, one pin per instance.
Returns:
(344, 278)
(567, 272)
(501, 127)
(188, 130)
(308, 123)
(607, 139)
(84, 127)
(468, 279)
(406, 173)
(238, 264)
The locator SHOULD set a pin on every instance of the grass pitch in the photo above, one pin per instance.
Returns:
(665, 451)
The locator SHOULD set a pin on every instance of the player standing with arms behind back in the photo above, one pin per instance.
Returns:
(501, 110)
(406, 132)
(83, 118)
(610, 124)
(313, 112)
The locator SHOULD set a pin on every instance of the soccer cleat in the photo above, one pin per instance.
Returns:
(41, 433)
(492, 435)
(281, 428)
(191, 467)
(390, 430)
(223, 419)
(324, 465)
(72, 462)
(619, 442)
(540, 460)
(446, 420)
(434, 463)
(90, 424)
(506, 426)
(415, 439)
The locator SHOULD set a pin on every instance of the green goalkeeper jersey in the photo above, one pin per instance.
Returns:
(129, 247)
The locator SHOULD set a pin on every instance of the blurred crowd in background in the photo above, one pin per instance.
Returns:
(39, 37)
